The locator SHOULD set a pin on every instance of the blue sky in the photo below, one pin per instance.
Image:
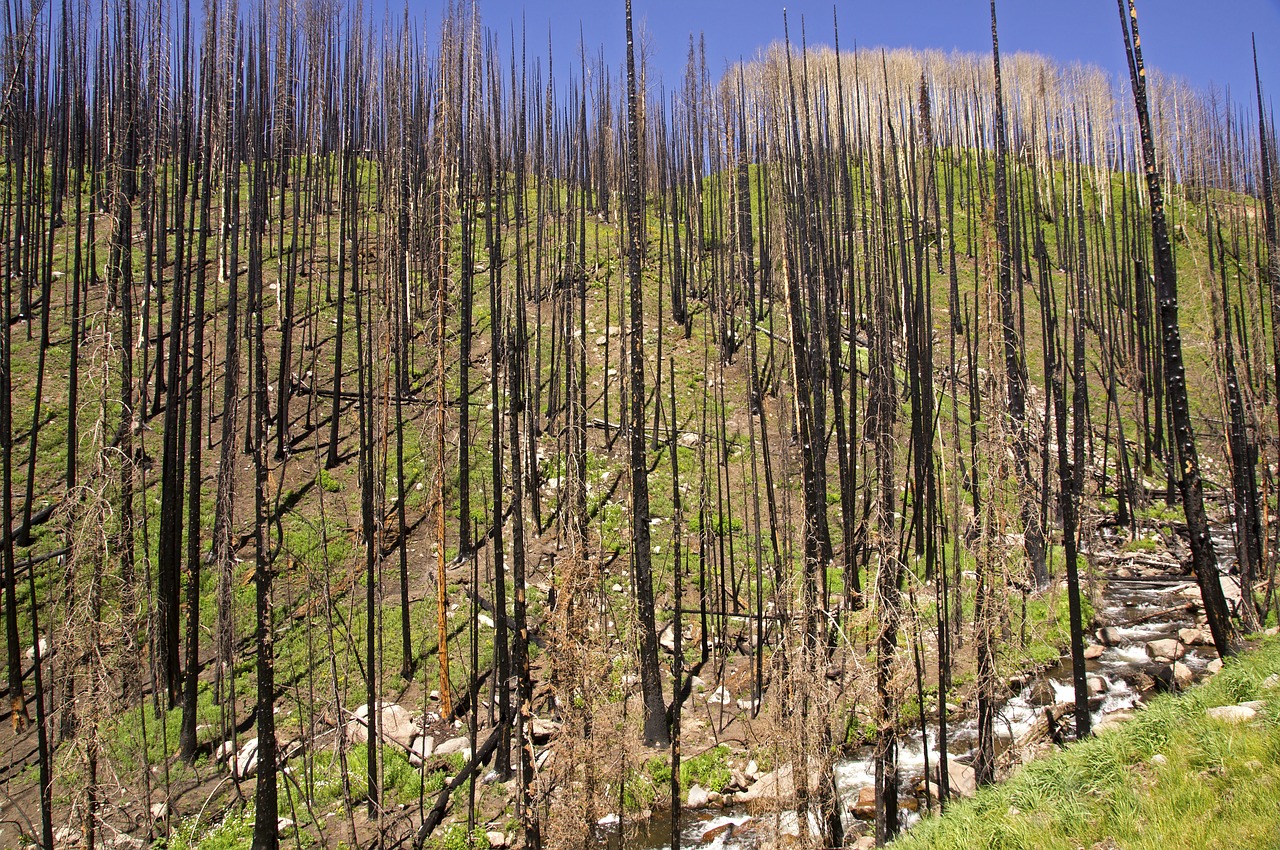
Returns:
(1205, 41)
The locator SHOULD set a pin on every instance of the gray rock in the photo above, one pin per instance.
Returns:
(1232, 713)
(1182, 674)
(245, 763)
(1094, 650)
(1165, 649)
(225, 750)
(720, 696)
(44, 650)
(962, 779)
(453, 745)
(1194, 637)
(496, 838)
(864, 808)
(1112, 721)
(1109, 636)
(1042, 693)
(542, 730)
(396, 726)
(718, 834)
(1096, 685)
(422, 749)
(698, 797)
(775, 785)
(667, 640)
(1214, 667)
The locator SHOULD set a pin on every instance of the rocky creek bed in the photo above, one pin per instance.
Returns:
(1148, 636)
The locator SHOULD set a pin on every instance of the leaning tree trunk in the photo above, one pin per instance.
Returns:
(1203, 558)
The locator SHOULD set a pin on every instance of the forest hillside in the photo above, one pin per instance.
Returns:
(407, 442)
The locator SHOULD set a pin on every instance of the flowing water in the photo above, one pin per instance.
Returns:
(1127, 675)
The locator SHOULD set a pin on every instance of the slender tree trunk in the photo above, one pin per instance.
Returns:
(655, 721)
(1204, 560)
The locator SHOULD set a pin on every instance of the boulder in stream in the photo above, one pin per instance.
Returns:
(864, 808)
(1165, 649)
(774, 785)
(1195, 637)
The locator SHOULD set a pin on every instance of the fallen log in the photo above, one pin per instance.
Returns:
(436, 815)
(1186, 606)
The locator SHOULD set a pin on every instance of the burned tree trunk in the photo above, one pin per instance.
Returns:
(1203, 559)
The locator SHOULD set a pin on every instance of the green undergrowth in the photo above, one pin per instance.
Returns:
(651, 784)
(1216, 785)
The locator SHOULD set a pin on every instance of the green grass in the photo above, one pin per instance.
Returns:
(234, 831)
(1218, 785)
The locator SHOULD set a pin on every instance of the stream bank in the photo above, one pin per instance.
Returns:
(1148, 637)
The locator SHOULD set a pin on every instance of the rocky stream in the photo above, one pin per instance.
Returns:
(1148, 636)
